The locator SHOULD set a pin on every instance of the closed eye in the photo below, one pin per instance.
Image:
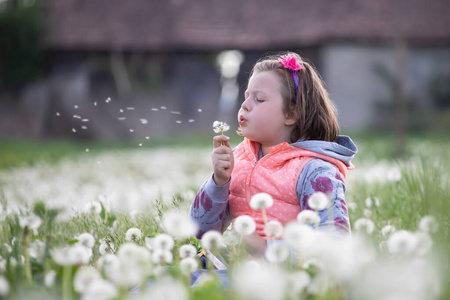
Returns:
(260, 100)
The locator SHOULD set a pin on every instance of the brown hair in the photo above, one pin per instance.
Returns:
(315, 112)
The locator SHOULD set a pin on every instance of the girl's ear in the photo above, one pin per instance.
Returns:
(291, 119)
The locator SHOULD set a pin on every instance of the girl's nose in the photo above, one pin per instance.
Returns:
(246, 104)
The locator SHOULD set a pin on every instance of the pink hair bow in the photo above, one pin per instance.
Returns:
(290, 62)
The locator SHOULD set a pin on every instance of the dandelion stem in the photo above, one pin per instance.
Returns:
(67, 283)
(26, 242)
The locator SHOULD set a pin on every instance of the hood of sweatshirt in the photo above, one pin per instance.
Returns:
(343, 148)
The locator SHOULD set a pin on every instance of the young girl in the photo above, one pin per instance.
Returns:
(291, 150)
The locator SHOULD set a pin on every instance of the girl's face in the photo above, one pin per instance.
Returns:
(261, 115)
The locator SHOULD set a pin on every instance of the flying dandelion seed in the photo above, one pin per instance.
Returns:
(163, 107)
(75, 106)
(129, 108)
(140, 144)
(121, 118)
(76, 117)
(144, 121)
(108, 100)
(175, 112)
(84, 127)
(131, 130)
(87, 150)
(121, 111)
(58, 114)
(178, 122)
(85, 120)
(95, 103)
(191, 120)
(147, 137)
(155, 109)
(199, 110)
(74, 130)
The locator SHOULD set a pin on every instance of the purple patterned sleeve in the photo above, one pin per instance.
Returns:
(210, 208)
(321, 176)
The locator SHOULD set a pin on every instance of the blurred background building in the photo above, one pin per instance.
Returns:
(109, 69)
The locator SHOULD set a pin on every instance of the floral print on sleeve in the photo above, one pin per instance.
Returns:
(321, 176)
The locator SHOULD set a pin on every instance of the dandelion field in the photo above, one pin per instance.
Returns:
(95, 224)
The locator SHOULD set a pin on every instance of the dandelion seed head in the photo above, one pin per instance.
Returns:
(93, 207)
(32, 222)
(188, 265)
(187, 250)
(298, 236)
(424, 243)
(106, 248)
(49, 278)
(84, 277)
(220, 127)
(108, 263)
(261, 200)
(160, 256)
(364, 226)
(318, 201)
(274, 229)
(367, 212)
(296, 283)
(37, 250)
(402, 242)
(100, 289)
(368, 202)
(86, 239)
(352, 206)
(244, 225)
(212, 240)
(387, 230)
(133, 235)
(277, 252)
(308, 217)
(4, 286)
(428, 224)
(178, 224)
(167, 289)
(163, 241)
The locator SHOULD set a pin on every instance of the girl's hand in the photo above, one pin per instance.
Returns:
(254, 244)
(222, 159)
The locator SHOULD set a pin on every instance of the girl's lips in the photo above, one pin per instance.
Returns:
(242, 120)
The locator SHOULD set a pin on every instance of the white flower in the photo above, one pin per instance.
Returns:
(277, 252)
(261, 200)
(37, 250)
(244, 225)
(298, 236)
(49, 278)
(4, 286)
(308, 217)
(402, 242)
(428, 224)
(108, 263)
(318, 201)
(32, 222)
(187, 250)
(73, 255)
(297, 282)
(188, 265)
(387, 230)
(84, 277)
(163, 241)
(220, 127)
(86, 239)
(212, 240)
(133, 235)
(167, 289)
(132, 252)
(364, 226)
(179, 224)
(273, 229)
(106, 247)
(352, 206)
(160, 256)
(93, 207)
(100, 289)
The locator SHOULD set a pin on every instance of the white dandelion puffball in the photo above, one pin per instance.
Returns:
(298, 236)
(106, 248)
(32, 222)
(424, 243)
(187, 250)
(73, 255)
(188, 265)
(297, 282)
(108, 263)
(274, 229)
(308, 217)
(364, 226)
(179, 224)
(160, 256)
(428, 224)
(244, 225)
(84, 277)
(318, 201)
(261, 200)
(167, 289)
(387, 230)
(402, 242)
(220, 127)
(100, 289)
(277, 252)
(212, 240)
(37, 250)
(49, 278)
(86, 239)
(93, 207)
(163, 241)
(4, 286)
(133, 234)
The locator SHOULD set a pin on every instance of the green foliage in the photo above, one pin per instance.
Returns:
(21, 55)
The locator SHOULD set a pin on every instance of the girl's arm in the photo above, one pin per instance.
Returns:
(210, 207)
(321, 176)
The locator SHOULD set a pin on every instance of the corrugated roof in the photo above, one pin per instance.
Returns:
(155, 25)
